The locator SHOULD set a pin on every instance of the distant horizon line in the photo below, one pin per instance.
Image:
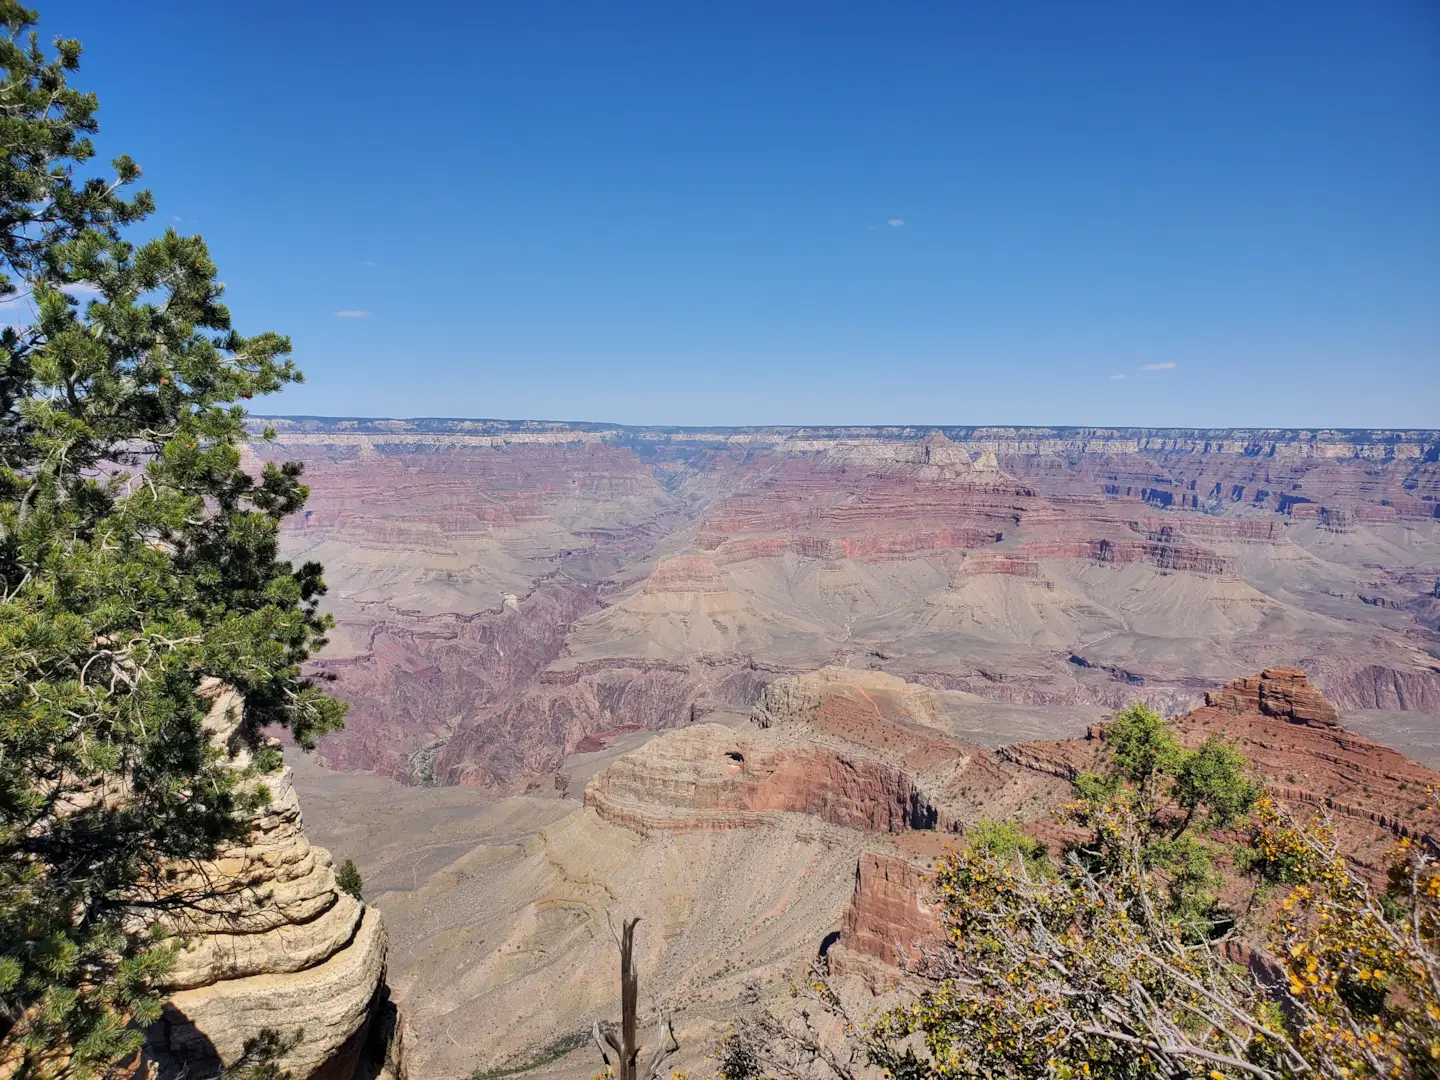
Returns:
(1291, 430)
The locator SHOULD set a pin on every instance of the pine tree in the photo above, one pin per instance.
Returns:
(349, 880)
(137, 558)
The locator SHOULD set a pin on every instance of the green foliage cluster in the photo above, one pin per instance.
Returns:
(349, 880)
(1004, 841)
(1111, 961)
(546, 1055)
(137, 559)
(1170, 797)
(259, 1056)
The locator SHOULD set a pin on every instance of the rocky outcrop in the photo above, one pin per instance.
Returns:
(268, 942)
(704, 777)
(1292, 736)
(1164, 553)
(1280, 692)
(1004, 563)
(889, 920)
(799, 698)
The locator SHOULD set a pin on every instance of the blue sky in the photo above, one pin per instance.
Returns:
(731, 213)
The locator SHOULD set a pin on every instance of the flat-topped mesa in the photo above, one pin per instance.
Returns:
(935, 458)
(272, 944)
(685, 574)
(800, 697)
(1000, 563)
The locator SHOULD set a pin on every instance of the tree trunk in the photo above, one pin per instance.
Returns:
(624, 1043)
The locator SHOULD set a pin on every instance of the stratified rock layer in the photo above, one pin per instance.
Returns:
(1291, 734)
(274, 945)
(1284, 693)
(706, 777)
(504, 592)
(889, 918)
(859, 749)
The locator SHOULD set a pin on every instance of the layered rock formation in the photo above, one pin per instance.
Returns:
(858, 749)
(890, 919)
(1281, 723)
(705, 777)
(268, 943)
(749, 846)
(1293, 737)
(505, 591)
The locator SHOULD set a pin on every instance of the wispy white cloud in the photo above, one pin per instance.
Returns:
(1117, 378)
(1159, 367)
(895, 222)
(367, 262)
(352, 314)
(175, 219)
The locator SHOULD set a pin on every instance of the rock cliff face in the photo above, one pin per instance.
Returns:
(505, 591)
(273, 945)
(889, 916)
(705, 777)
(1283, 693)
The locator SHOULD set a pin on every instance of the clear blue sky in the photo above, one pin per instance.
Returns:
(692, 213)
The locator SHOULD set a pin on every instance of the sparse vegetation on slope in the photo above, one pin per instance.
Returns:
(137, 558)
(1116, 960)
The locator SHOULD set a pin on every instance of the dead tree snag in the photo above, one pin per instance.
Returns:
(622, 1041)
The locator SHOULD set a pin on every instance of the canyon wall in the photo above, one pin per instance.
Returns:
(505, 591)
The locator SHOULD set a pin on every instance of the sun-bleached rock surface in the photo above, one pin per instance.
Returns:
(272, 944)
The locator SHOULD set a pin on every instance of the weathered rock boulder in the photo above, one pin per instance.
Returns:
(272, 945)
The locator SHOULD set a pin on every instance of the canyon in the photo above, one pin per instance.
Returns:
(743, 683)
(750, 846)
(503, 591)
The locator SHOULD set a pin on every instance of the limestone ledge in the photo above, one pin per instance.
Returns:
(267, 941)
(331, 1002)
